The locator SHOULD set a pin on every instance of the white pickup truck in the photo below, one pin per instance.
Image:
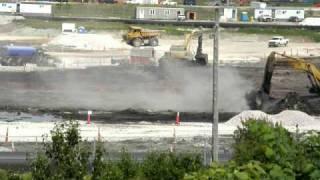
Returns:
(277, 41)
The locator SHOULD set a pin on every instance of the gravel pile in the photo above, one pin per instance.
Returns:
(286, 118)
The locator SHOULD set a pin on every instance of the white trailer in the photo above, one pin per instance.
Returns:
(258, 5)
(262, 12)
(285, 14)
(33, 9)
(69, 28)
(311, 21)
(8, 7)
(229, 14)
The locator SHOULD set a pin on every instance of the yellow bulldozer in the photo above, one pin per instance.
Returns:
(137, 36)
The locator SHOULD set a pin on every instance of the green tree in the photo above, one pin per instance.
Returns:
(66, 157)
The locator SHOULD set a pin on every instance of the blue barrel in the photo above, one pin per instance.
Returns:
(20, 51)
(244, 16)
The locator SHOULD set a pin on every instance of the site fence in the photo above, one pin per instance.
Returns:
(138, 148)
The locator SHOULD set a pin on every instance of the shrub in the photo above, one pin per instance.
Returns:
(169, 165)
(3, 174)
(265, 142)
(66, 157)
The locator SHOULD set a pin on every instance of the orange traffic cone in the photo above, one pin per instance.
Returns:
(178, 118)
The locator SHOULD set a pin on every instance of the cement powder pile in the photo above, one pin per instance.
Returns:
(98, 42)
(286, 118)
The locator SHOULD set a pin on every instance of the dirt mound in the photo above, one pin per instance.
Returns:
(292, 118)
(89, 41)
(246, 115)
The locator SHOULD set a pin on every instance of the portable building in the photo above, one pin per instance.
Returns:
(8, 7)
(159, 13)
(33, 9)
(69, 28)
(142, 1)
(285, 14)
(262, 12)
(258, 5)
(311, 21)
(229, 13)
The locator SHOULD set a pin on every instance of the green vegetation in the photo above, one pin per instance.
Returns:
(262, 150)
(269, 152)
(310, 34)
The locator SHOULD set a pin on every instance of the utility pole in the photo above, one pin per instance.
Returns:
(215, 113)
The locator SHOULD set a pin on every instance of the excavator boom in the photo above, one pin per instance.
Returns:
(296, 63)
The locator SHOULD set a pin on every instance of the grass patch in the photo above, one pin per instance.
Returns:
(99, 26)
(311, 34)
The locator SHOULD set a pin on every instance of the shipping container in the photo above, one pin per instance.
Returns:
(8, 7)
(159, 13)
(286, 14)
(262, 12)
(229, 14)
(142, 2)
(258, 5)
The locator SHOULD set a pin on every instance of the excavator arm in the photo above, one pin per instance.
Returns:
(296, 63)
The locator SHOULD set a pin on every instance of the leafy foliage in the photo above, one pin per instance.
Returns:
(66, 157)
(159, 166)
(264, 142)
(267, 151)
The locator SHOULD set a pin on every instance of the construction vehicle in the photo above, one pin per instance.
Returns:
(137, 37)
(182, 53)
(312, 71)
(22, 55)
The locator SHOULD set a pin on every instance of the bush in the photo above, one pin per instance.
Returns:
(169, 165)
(66, 157)
(125, 169)
(267, 151)
(127, 166)
(3, 174)
(265, 142)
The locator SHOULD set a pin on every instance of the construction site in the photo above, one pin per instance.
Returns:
(148, 90)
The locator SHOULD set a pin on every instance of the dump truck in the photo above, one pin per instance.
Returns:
(137, 36)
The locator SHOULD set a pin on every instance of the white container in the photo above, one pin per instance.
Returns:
(262, 12)
(69, 28)
(310, 21)
(8, 7)
(258, 5)
(35, 9)
(285, 14)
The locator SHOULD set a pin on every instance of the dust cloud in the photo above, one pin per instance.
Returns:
(118, 88)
